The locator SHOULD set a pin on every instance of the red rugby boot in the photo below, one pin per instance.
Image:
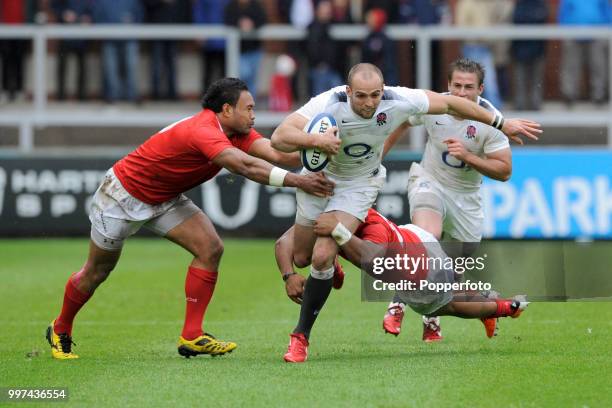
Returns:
(297, 352)
(490, 324)
(338, 278)
(431, 329)
(392, 322)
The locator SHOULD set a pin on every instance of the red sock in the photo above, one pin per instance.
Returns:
(199, 288)
(504, 308)
(74, 300)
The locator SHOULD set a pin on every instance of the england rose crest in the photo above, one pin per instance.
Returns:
(471, 132)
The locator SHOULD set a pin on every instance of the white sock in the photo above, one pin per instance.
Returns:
(322, 275)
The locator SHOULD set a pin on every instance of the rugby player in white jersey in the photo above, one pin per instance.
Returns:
(444, 189)
(366, 112)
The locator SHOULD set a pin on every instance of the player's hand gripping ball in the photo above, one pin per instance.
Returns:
(315, 159)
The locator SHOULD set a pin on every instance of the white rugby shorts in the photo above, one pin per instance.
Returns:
(354, 197)
(462, 213)
(115, 214)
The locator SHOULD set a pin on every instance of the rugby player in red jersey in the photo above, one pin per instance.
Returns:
(145, 188)
(378, 233)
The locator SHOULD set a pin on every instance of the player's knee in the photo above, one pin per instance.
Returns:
(211, 251)
(301, 260)
(322, 259)
(217, 251)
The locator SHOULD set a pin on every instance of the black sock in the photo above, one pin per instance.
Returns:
(316, 292)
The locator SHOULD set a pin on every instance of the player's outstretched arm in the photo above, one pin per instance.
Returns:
(238, 162)
(454, 105)
(263, 149)
(283, 252)
(394, 137)
(289, 136)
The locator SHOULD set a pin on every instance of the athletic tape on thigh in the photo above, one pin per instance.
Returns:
(175, 216)
(301, 220)
(109, 244)
(426, 201)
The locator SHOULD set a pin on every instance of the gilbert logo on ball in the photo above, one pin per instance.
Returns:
(314, 159)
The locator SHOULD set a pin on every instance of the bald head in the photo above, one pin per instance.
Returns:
(365, 72)
(365, 89)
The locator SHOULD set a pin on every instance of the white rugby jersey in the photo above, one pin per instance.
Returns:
(363, 140)
(477, 137)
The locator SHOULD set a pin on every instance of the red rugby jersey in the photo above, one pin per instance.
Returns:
(177, 158)
(376, 228)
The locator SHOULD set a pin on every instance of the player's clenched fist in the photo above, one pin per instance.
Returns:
(328, 142)
(456, 149)
(294, 286)
(317, 184)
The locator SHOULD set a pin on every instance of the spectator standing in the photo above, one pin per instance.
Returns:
(248, 16)
(341, 12)
(163, 52)
(575, 52)
(12, 51)
(280, 98)
(72, 12)
(390, 7)
(480, 13)
(502, 15)
(298, 13)
(322, 51)
(211, 12)
(302, 13)
(119, 53)
(425, 13)
(529, 56)
(378, 49)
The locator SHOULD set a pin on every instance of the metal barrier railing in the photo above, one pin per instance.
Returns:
(40, 116)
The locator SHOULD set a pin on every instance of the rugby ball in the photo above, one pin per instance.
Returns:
(313, 159)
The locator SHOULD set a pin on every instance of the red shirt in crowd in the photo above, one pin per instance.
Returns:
(12, 11)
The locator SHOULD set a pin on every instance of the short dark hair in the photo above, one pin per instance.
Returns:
(364, 67)
(467, 65)
(222, 91)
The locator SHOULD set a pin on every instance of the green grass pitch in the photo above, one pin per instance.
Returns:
(555, 355)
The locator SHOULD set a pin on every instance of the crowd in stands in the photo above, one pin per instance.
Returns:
(515, 68)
